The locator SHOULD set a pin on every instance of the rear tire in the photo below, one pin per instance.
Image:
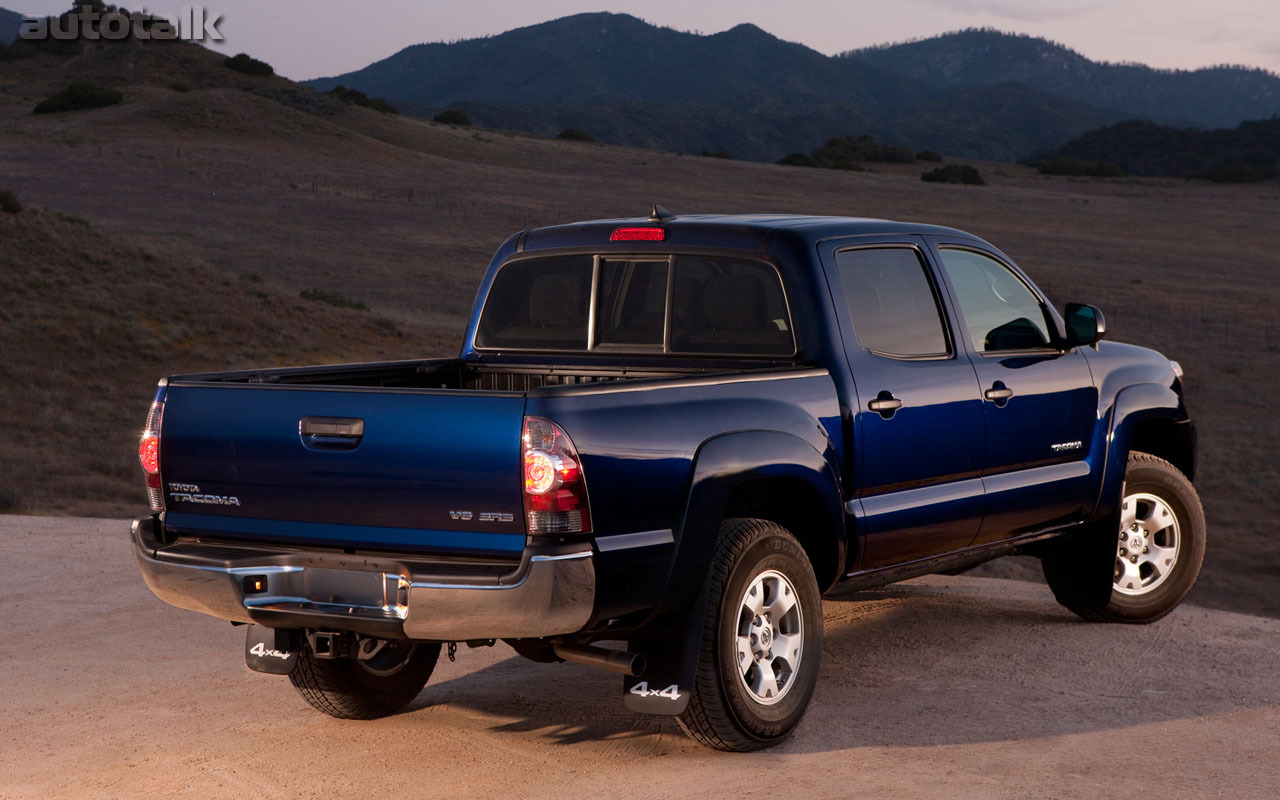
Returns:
(349, 688)
(761, 642)
(1138, 564)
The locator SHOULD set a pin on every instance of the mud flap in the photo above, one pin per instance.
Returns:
(1085, 561)
(270, 650)
(671, 664)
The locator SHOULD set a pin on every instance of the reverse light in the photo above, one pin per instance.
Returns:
(638, 235)
(555, 494)
(149, 456)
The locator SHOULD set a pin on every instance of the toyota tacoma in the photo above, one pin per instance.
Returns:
(665, 439)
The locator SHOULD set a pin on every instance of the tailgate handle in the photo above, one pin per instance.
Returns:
(331, 433)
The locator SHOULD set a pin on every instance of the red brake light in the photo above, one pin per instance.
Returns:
(149, 456)
(149, 453)
(541, 473)
(555, 495)
(638, 235)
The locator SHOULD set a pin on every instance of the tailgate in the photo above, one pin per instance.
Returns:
(358, 468)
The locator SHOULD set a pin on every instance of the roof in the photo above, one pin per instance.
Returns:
(740, 231)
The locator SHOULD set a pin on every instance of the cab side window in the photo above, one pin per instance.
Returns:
(1000, 311)
(892, 303)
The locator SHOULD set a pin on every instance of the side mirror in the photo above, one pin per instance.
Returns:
(1085, 324)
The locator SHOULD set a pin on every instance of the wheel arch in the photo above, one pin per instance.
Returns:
(1166, 438)
(796, 505)
(1147, 418)
(766, 475)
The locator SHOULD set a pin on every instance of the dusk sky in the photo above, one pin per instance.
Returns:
(320, 38)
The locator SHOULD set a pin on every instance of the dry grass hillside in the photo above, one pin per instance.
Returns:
(257, 177)
(90, 321)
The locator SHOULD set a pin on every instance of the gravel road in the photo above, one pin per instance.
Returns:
(942, 687)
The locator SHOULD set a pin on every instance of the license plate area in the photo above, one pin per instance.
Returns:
(332, 591)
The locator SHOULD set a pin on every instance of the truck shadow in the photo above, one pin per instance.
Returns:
(940, 661)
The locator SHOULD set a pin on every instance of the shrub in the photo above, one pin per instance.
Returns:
(1250, 151)
(9, 202)
(30, 48)
(896, 155)
(928, 155)
(73, 219)
(1238, 172)
(1243, 165)
(378, 104)
(10, 499)
(18, 50)
(180, 86)
(1061, 165)
(453, 116)
(349, 95)
(796, 160)
(720, 152)
(244, 63)
(954, 173)
(79, 97)
(361, 99)
(332, 298)
(575, 135)
(848, 152)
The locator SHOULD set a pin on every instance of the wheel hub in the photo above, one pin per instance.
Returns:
(765, 637)
(1149, 544)
(770, 637)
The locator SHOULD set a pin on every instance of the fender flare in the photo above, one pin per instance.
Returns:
(723, 463)
(1132, 406)
(672, 642)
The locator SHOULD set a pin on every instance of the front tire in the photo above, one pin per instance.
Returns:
(1151, 549)
(761, 643)
(356, 688)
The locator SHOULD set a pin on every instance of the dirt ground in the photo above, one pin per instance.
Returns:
(943, 687)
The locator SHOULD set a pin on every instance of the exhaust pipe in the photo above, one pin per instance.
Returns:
(619, 661)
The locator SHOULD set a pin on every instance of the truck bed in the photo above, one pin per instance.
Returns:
(407, 456)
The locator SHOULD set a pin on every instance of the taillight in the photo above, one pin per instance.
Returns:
(555, 494)
(149, 456)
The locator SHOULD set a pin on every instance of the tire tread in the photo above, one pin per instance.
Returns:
(1059, 567)
(329, 686)
(708, 719)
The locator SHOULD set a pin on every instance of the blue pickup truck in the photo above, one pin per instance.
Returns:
(664, 440)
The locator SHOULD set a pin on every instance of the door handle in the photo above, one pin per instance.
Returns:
(331, 433)
(885, 404)
(998, 394)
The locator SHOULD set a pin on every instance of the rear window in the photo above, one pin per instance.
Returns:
(695, 305)
(722, 305)
(538, 304)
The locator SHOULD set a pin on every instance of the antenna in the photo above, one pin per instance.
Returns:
(660, 214)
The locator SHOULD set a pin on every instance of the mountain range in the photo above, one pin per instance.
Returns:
(1216, 97)
(976, 93)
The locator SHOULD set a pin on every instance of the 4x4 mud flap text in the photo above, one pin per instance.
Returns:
(270, 650)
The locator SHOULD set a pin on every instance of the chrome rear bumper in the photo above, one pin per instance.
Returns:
(547, 595)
